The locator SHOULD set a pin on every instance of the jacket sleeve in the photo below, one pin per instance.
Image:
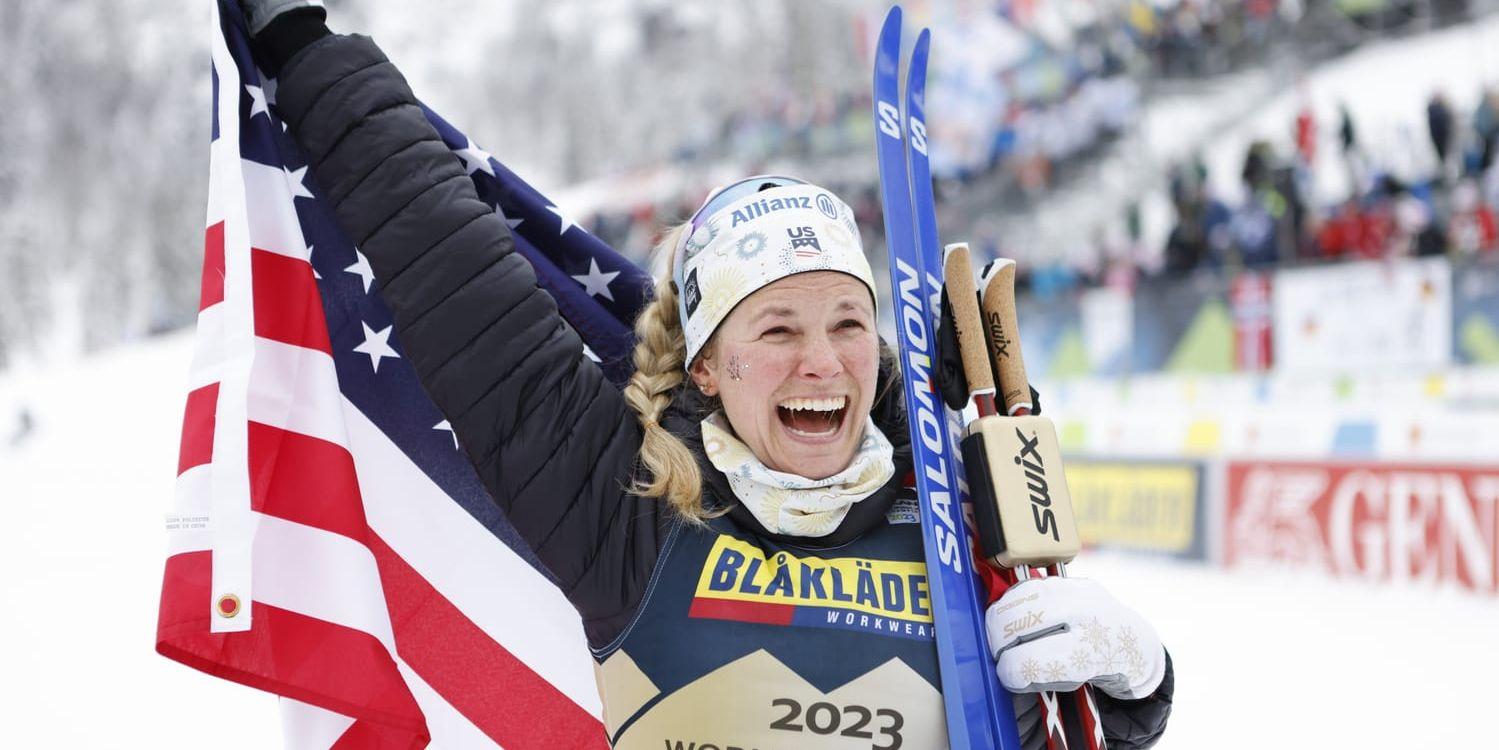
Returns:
(1135, 725)
(1127, 725)
(551, 438)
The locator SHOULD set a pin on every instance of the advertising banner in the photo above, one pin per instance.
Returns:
(1183, 326)
(1475, 313)
(1357, 315)
(1425, 524)
(1147, 506)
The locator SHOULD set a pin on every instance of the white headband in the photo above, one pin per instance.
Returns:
(756, 240)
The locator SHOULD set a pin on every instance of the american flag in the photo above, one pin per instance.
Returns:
(330, 543)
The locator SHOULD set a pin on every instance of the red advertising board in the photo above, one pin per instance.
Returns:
(1420, 523)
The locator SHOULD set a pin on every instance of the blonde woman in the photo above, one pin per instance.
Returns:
(734, 527)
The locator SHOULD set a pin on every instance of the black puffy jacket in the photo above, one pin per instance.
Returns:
(550, 437)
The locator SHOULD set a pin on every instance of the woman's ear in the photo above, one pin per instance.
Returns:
(703, 374)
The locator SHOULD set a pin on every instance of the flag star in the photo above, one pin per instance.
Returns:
(567, 222)
(362, 268)
(297, 180)
(376, 344)
(475, 158)
(269, 86)
(257, 101)
(596, 282)
(513, 223)
(444, 425)
(589, 354)
(315, 274)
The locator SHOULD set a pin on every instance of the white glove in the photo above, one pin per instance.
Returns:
(1058, 633)
(260, 13)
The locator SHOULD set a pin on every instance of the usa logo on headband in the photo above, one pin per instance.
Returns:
(804, 242)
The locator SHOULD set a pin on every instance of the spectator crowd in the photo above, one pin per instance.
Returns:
(1449, 211)
(1038, 104)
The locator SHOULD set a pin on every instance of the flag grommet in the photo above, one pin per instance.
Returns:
(227, 606)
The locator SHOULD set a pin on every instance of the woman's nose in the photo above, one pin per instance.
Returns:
(820, 358)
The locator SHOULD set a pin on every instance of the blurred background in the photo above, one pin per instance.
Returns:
(1259, 294)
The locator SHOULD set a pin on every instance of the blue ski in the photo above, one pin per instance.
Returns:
(975, 641)
(979, 712)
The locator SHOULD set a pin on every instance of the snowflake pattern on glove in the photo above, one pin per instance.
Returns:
(1056, 671)
(1088, 639)
(1096, 634)
(1030, 671)
(1081, 659)
(1107, 654)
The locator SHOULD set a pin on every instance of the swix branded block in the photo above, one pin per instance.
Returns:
(1020, 494)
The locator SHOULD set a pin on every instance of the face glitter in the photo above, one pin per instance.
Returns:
(737, 368)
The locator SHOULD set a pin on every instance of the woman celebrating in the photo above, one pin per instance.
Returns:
(734, 527)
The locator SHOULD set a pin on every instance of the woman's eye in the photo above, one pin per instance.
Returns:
(777, 331)
(850, 324)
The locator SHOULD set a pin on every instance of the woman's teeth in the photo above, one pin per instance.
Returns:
(813, 417)
(815, 404)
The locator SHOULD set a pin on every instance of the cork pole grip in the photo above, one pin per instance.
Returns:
(963, 295)
(1002, 332)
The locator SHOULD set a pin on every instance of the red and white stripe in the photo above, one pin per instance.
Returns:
(381, 611)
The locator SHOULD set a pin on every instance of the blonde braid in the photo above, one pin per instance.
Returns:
(672, 471)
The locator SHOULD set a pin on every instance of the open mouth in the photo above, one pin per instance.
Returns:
(813, 417)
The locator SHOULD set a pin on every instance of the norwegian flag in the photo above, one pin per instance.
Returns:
(330, 543)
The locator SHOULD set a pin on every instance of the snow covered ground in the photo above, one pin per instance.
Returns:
(1293, 660)
(81, 553)
(1262, 658)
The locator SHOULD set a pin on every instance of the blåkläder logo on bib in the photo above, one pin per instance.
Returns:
(738, 582)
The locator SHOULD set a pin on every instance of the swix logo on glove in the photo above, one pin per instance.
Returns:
(1027, 620)
(1035, 477)
(1087, 637)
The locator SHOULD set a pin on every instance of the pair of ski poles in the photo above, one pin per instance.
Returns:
(1012, 500)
